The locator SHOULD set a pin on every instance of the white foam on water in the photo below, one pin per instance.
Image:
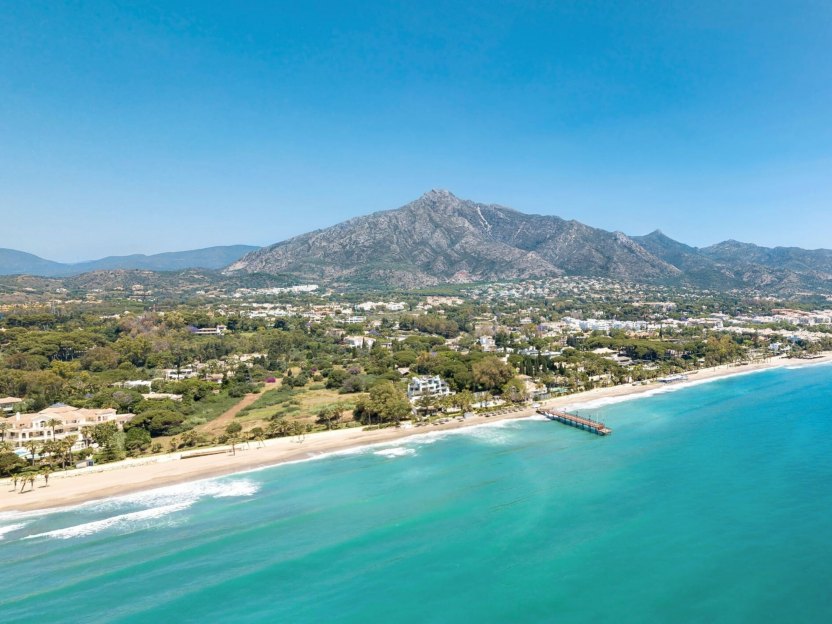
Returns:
(396, 451)
(238, 488)
(807, 365)
(189, 492)
(89, 528)
(663, 389)
(11, 527)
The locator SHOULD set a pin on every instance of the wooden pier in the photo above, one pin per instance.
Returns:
(587, 424)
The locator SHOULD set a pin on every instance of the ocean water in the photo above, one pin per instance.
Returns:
(710, 503)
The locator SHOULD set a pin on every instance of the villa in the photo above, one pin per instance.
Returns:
(25, 428)
(427, 386)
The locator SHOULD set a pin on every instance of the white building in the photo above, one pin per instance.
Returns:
(35, 428)
(219, 330)
(427, 386)
(359, 342)
(178, 374)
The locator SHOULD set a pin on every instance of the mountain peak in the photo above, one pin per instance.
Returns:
(438, 198)
(439, 195)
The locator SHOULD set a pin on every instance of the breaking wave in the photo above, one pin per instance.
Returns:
(89, 528)
(152, 504)
(396, 451)
(9, 528)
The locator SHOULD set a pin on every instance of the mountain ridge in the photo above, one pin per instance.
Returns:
(14, 262)
(440, 237)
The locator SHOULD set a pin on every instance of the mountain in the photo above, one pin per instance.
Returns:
(442, 238)
(811, 261)
(17, 262)
(732, 264)
(14, 262)
(696, 267)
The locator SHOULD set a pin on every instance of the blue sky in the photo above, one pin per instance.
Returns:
(147, 127)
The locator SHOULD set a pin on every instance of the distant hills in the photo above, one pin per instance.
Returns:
(441, 238)
(18, 262)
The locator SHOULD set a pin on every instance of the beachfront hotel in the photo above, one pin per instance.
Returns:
(427, 386)
(25, 428)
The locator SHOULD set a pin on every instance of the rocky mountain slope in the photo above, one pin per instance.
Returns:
(441, 238)
(732, 264)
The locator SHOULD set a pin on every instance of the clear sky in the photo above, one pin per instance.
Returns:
(147, 127)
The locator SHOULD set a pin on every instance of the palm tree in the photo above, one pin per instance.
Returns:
(50, 448)
(427, 403)
(464, 399)
(66, 446)
(86, 433)
(46, 471)
(33, 448)
(52, 423)
(3, 426)
(27, 477)
(258, 434)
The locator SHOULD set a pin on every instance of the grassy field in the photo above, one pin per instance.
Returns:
(302, 404)
(211, 407)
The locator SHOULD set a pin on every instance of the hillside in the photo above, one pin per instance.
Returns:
(14, 262)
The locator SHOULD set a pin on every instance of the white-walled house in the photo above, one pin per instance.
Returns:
(25, 428)
(427, 386)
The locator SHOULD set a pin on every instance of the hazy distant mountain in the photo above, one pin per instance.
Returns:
(441, 238)
(14, 262)
(814, 261)
(17, 262)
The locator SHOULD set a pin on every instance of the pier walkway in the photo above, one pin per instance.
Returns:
(586, 424)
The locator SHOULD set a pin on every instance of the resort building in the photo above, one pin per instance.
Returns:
(427, 386)
(25, 428)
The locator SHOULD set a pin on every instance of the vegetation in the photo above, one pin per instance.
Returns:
(189, 390)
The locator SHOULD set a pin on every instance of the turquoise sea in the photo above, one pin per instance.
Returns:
(709, 503)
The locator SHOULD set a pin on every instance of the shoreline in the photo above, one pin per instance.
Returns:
(75, 487)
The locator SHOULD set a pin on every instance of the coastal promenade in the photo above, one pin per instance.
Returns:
(77, 486)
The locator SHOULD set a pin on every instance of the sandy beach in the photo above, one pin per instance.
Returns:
(78, 486)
